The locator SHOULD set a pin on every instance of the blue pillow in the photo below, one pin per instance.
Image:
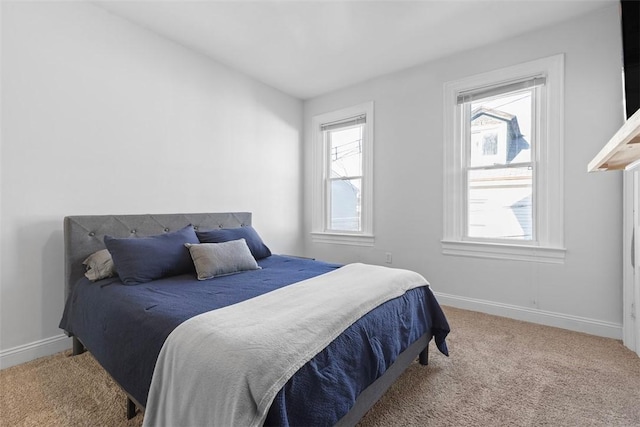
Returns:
(143, 259)
(258, 249)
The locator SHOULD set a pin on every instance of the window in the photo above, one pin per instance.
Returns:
(503, 163)
(343, 178)
(342, 200)
(499, 171)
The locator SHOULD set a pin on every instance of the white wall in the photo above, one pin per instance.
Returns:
(585, 292)
(100, 116)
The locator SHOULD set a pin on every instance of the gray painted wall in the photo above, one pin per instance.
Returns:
(585, 292)
(101, 116)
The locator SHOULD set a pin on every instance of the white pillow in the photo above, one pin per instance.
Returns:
(219, 259)
(99, 265)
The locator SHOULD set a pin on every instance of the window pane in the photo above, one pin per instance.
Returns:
(500, 203)
(346, 151)
(501, 130)
(346, 204)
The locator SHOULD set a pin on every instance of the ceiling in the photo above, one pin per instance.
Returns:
(307, 48)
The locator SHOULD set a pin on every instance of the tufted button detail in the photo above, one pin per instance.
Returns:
(133, 231)
(166, 230)
(92, 234)
(195, 227)
(219, 225)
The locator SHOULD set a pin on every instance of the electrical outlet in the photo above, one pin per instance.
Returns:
(388, 258)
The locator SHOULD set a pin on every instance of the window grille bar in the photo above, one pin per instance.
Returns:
(345, 178)
(501, 166)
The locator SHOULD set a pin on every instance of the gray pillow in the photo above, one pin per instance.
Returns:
(219, 259)
(99, 265)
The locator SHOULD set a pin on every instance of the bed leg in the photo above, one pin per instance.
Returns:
(424, 356)
(131, 408)
(78, 348)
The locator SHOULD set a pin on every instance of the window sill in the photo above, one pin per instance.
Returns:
(343, 239)
(504, 251)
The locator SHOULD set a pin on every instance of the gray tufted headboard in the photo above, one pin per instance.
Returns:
(83, 235)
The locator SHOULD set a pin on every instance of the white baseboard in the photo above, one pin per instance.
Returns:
(27, 352)
(548, 318)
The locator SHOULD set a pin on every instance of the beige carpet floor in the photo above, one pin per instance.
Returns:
(501, 372)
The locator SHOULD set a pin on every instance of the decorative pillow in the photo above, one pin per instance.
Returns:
(219, 259)
(258, 249)
(99, 265)
(143, 259)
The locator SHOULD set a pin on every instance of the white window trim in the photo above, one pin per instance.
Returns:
(318, 218)
(549, 206)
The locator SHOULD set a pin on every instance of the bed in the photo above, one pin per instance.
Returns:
(128, 327)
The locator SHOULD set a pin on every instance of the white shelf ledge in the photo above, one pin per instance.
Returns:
(622, 149)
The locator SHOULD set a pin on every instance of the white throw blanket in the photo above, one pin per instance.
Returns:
(225, 367)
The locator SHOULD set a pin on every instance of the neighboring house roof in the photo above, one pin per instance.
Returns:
(515, 140)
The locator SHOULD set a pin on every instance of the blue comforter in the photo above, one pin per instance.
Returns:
(125, 327)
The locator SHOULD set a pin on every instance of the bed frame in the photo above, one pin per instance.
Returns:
(83, 235)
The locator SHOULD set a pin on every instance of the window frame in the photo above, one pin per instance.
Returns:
(320, 231)
(548, 211)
